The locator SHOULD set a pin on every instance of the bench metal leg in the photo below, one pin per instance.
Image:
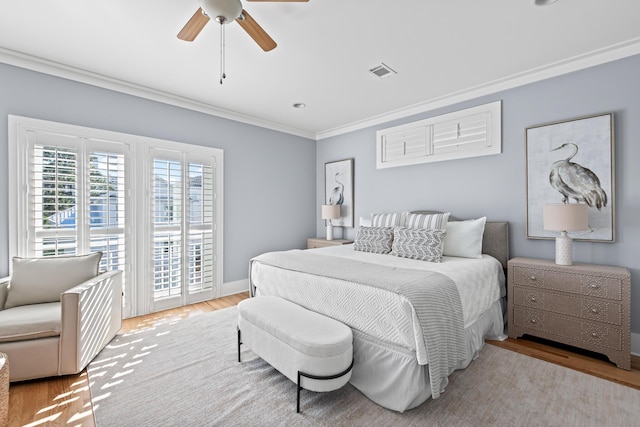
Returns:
(315, 377)
(239, 343)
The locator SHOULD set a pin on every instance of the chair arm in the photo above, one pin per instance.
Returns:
(91, 317)
(4, 290)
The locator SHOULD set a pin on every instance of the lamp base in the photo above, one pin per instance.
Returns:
(564, 249)
(329, 230)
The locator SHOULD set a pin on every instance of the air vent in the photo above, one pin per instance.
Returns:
(382, 70)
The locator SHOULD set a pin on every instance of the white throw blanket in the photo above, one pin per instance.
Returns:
(434, 298)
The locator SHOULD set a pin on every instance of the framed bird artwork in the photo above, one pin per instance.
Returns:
(338, 184)
(572, 161)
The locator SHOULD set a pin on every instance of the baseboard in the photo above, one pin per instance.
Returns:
(236, 287)
(635, 344)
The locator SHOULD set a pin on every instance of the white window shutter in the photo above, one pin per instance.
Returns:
(471, 132)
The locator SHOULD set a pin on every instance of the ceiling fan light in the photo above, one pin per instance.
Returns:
(227, 9)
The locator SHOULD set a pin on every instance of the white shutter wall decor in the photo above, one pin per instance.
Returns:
(471, 132)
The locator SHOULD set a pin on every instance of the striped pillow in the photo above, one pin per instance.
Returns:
(418, 243)
(377, 240)
(386, 220)
(429, 221)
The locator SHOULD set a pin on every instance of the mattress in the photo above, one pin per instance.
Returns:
(388, 317)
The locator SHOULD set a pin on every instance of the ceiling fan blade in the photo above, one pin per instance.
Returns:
(191, 30)
(256, 32)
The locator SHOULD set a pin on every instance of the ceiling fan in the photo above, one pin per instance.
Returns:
(225, 11)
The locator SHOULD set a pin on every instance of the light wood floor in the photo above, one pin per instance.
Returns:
(66, 401)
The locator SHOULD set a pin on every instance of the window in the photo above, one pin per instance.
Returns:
(76, 190)
(471, 132)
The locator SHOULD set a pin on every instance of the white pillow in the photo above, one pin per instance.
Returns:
(364, 222)
(464, 238)
(40, 280)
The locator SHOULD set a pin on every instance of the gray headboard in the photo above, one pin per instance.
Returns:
(495, 240)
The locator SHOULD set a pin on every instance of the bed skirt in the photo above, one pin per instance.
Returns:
(390, 375)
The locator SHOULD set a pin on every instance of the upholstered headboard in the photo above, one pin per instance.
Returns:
(495, 240)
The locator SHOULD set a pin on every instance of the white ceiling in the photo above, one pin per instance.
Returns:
(443, 52)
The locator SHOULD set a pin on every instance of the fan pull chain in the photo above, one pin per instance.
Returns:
(222, 49)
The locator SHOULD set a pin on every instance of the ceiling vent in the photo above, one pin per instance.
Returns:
(382, 70)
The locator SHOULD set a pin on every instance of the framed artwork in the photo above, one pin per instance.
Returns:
(572, 162)
(338, 190)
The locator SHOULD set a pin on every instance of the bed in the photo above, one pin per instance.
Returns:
(414, 322)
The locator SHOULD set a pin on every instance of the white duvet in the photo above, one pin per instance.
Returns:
(377, 312)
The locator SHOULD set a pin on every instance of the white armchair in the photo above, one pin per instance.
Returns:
(56, 314)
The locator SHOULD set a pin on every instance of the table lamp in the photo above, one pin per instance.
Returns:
(330, 212)
(565, 217)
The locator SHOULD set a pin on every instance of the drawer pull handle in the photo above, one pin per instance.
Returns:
(533, 299)
(534, 321)
(594, 286)
(533, 278)
(594, 311)
(594, 334)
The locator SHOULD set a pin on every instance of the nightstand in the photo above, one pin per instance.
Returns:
(583, 305)
(321, 242)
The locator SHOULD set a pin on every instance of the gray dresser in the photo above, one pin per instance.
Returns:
(582, 305)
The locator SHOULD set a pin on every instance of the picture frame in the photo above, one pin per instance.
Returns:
(580, 152)
(338, 189)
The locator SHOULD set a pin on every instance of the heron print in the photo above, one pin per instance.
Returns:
(338, 189)
(572, 162)
(575, 181)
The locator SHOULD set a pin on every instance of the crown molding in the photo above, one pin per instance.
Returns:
(576, 63)
(56, 69)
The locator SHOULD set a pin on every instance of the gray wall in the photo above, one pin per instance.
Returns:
(495, 185)
(268, 199)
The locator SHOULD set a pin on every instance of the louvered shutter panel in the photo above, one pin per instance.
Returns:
(466, 133)
(406, 144)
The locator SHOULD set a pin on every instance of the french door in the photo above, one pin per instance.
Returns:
(183, 228)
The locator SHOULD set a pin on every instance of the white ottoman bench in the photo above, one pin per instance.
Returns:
(312, 350)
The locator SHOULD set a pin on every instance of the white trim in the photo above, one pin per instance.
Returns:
(591, 59)
(231, 288)
(579, 62)
(45, 66)
(635, 344)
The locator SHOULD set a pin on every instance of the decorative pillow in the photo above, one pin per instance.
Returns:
(377, 240)
(364, 222)
(386, 219)
(430, 221)
(418, 243)
(40, 280)
(464, 238)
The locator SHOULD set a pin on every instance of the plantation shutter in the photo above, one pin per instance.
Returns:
(183, 236)
(465, 133)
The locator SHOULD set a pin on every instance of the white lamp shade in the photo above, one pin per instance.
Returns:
(330, 211)
(227, 9)
(565, 217)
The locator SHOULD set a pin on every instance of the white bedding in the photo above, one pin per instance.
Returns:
(379, 313)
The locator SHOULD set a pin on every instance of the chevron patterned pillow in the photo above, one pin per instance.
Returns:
(374, 239)
(418, 243)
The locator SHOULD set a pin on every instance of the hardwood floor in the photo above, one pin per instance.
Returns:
(66, 401)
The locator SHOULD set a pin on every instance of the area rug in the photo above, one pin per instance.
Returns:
(186, 373)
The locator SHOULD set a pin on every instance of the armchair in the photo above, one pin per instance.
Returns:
(56, 314)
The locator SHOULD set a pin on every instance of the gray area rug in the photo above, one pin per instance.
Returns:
(186, 373)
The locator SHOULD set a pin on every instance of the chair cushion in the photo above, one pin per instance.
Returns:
(42, 280)
(30, 322)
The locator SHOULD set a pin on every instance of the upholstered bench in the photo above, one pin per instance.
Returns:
(312, 350)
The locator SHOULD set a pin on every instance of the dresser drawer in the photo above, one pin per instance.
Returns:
(581, 333)
(583, 284)
(572, 305)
